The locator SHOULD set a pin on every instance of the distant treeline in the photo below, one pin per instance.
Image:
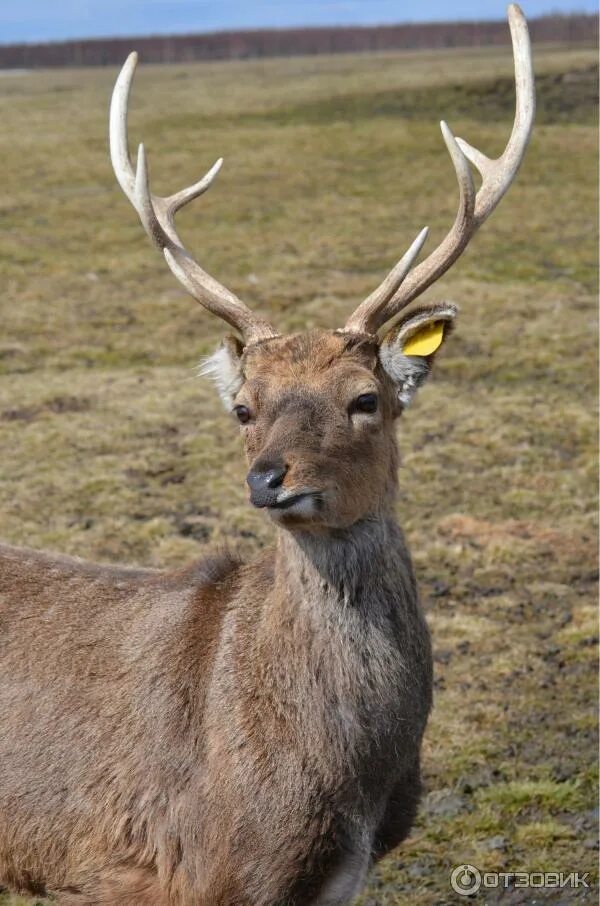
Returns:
(241, 45)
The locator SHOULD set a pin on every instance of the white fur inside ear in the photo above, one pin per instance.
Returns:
(224, 368)
(408, 372)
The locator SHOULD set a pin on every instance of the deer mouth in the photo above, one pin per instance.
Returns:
(304, 502)
(295, 498)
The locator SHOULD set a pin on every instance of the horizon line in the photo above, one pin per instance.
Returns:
(551, 14)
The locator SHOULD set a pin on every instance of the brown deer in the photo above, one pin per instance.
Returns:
(243, 734)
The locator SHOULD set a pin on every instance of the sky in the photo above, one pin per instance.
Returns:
(55, 20)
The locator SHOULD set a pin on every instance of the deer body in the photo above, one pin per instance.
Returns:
(230, 734)
(223, 734)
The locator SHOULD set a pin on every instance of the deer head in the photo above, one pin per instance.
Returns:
(317, 410)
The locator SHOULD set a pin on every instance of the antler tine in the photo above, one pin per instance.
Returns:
(498, 174)
(157, 216)
(148, 205)
(473, 209)
(359, 320)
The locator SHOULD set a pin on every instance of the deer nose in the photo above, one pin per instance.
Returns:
(264, 478)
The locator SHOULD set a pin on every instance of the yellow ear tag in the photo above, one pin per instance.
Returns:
(426, 340)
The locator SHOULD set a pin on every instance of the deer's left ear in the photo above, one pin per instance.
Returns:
(408, 350)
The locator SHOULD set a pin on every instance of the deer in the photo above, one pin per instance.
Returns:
(244, 733)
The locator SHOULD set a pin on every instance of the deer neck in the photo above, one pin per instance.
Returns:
(336, 633)
(358, 567)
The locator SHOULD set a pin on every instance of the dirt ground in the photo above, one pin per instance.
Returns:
(112, 448)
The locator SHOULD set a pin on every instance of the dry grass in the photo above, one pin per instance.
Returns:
(112, 449)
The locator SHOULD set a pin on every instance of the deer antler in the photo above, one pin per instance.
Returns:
(157, 217)
(400, 287)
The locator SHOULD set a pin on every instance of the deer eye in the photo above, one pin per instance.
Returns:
(242, 414)
(366, 402)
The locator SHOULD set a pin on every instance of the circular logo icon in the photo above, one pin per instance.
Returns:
(465, 880)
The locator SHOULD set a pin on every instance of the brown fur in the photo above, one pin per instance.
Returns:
(228, 734)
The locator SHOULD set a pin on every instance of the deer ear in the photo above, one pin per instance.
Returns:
(224, 367)
(408, 350)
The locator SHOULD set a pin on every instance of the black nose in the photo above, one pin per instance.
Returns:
(264, 478)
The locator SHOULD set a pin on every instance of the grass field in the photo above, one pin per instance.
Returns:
(112, 449)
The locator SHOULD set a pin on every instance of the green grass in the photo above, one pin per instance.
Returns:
(112, 449)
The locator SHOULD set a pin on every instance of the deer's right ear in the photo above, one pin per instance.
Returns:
(408, 350)
(224, 367)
